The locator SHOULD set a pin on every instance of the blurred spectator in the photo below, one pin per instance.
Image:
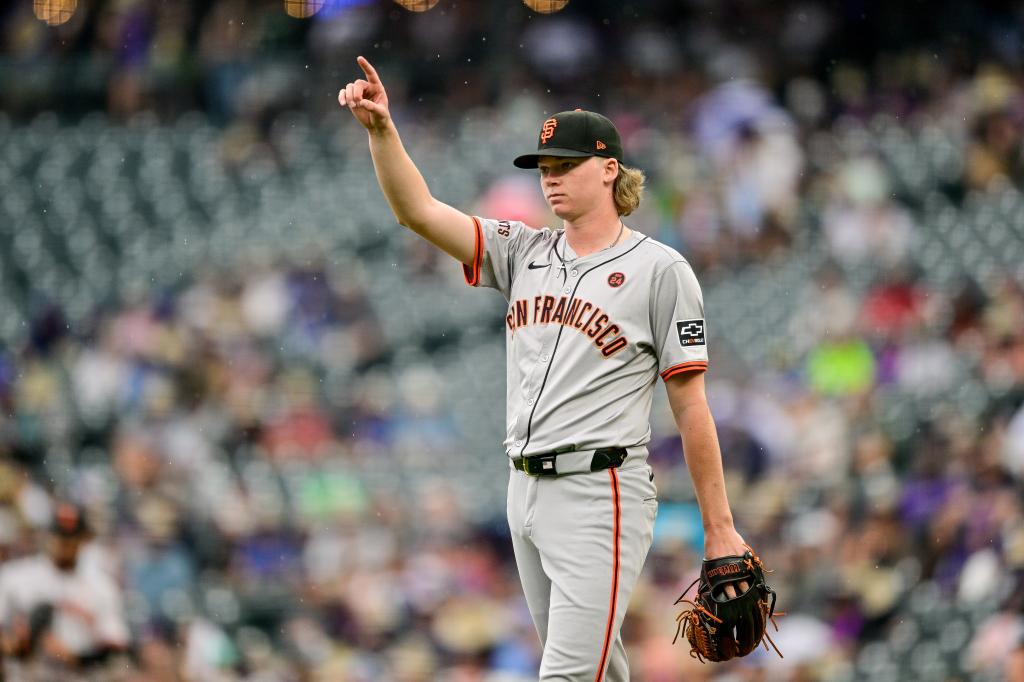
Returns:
(861, 222)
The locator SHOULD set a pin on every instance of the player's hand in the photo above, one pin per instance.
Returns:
(15, 638)
(367, 99)
(55, 649)
(725, 542)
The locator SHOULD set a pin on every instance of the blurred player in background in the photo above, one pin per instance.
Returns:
(61, 616)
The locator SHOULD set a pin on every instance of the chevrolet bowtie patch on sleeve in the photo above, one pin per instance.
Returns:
(691, 332)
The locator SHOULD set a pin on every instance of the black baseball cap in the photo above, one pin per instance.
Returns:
(575, 133)
(68, 521)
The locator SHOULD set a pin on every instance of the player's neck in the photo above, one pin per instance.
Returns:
(592, 233)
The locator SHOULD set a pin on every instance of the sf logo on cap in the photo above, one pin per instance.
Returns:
(548, 130)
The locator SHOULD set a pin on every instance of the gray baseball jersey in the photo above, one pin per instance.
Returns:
(586, 340)
(587, 337)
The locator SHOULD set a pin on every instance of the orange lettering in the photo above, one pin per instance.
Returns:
(545, 313)
(522, 306)
(559, 313)
(598, 325)
(570, 315)
(722, 570)
(611, 329)
(586, 306)
(614, 347)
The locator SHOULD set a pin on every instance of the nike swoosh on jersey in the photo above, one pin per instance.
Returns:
(538, 267)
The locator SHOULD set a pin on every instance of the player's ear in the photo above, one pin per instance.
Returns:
(611, 170)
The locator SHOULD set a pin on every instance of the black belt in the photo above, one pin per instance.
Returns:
(545, 465)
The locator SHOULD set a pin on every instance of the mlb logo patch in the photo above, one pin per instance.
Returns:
(691, 332)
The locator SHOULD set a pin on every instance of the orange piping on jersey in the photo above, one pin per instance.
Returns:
(610, 627)
(691, 366)
(472, 272)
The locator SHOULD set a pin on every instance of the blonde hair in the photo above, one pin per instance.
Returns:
(628, 189)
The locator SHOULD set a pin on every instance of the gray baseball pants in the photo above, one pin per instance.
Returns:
(580, 542)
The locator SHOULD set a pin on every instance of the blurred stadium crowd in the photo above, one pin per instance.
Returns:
(280, 416)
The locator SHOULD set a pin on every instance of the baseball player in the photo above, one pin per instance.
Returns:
(61, 618)
(597, 312)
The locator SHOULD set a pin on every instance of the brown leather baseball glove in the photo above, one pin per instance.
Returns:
(718, 627)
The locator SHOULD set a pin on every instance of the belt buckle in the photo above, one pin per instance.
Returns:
(545, 465)
(608, 458)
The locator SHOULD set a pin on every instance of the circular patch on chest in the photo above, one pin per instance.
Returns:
(616, 279)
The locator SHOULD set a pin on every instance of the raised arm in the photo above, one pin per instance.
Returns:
(405, 189)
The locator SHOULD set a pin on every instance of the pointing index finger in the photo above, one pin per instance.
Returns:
(371, 73)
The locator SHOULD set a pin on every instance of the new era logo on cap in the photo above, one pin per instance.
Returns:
(691, 332)
(601, 145)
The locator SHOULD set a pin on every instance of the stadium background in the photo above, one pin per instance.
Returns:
(283, 412)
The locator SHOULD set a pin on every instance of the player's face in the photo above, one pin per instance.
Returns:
(64, 551)
(573, 186)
